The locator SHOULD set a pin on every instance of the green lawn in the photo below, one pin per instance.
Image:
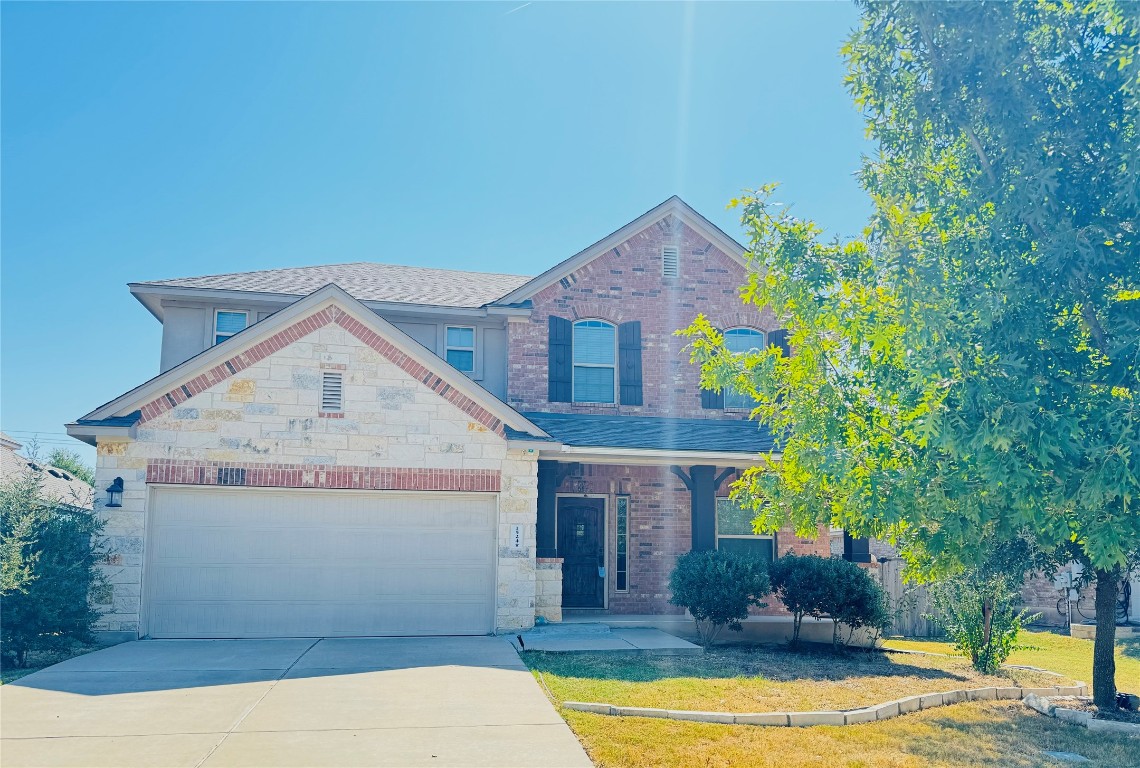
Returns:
(1070, 656)
(971, 735)
(762, 678)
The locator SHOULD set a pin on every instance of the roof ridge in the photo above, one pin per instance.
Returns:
(326, 266)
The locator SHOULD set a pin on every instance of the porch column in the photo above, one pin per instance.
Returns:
(702, 491)
(548, 482)
(856, 550)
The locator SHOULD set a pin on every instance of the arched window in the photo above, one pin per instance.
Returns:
(739, 341)
(595, 361)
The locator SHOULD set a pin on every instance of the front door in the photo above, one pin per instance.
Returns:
(581, 545)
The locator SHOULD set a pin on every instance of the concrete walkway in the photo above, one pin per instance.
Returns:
(337, 702)
(576, 637)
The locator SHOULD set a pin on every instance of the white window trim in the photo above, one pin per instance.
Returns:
(747, 408)
(214, 325)
(717, 535)
(613, 401)
(474, 341)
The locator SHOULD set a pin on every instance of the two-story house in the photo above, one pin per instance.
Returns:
(364, 449)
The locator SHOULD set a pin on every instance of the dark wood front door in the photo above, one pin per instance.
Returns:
(581, 545)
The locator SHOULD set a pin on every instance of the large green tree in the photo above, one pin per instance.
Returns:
(970, 368)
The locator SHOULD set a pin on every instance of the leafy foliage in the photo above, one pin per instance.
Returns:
(71, 462)
(969, 369)
(48, 573)
(978, 607)
(718, 588)
(829, 588)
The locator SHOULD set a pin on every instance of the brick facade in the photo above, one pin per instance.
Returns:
(257, 426)
(626, 284)
(660, 531)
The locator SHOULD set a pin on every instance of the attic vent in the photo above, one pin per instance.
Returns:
(332, 392)
(670, 261)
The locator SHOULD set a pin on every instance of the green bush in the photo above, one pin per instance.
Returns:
(48, 570)
(829, 588)
(718, 588)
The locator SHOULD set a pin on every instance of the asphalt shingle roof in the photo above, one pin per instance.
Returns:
(57, 484)
(367, 281)
(656, 433)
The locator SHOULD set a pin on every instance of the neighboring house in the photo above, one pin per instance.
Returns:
(57, 484)
(364, 449)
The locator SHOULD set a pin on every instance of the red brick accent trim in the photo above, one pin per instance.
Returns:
(328, 415)
(299, 330)
(322, 476)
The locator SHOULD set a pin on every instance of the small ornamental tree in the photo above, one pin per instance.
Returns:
(829, 588)
(718, 588)
(48, 570)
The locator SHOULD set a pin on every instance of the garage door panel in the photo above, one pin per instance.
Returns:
(243, 563)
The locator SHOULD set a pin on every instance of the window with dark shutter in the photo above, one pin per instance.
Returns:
(629, 362)
(711, 400)
(560, 359)
(780, 339)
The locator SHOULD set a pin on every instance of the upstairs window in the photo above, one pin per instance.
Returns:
(670, 261)
(227, 323)
(741, 341)
(460, 348)
(595, 361)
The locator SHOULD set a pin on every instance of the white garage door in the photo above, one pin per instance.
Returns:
(274, 563)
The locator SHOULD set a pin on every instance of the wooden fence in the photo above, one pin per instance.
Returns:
(909, 602)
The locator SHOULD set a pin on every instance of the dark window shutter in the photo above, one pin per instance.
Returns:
(780, 339)
(560, 350)
(711, 400)
(629, 362)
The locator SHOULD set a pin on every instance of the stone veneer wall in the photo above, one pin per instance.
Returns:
(548, 588)
(396, 432)
(626, 284)
(660, 531)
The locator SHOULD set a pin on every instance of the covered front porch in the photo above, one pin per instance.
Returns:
(621, 498)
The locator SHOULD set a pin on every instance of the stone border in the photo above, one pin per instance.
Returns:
(1040, 703)
(869, 714)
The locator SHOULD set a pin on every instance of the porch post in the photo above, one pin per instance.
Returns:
(703, 495)
(547, 487)
(856, 550)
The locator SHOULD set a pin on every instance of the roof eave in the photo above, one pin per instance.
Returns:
(655, 456)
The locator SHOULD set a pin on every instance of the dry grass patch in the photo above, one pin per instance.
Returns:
(761, 678)
(974, 735)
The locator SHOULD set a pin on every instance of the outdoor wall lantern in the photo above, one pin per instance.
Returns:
(115, 493)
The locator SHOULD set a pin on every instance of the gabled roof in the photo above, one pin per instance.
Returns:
(182, 381)
(364, 281)
(674, 206)
(57, 484)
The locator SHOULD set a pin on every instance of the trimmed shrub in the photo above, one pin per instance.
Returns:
(829, 588)
(48, 571)
(718, 588)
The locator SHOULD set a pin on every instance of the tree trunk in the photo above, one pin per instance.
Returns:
(1104, 647)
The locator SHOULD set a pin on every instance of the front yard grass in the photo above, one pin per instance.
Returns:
(1071, 656)
(1002, 734)
(762, 678)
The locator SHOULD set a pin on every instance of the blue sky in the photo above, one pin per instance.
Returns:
(146, 141)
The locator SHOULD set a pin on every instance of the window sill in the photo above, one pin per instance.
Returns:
(593, 405)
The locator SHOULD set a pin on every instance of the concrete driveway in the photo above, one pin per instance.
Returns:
(337, 702)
